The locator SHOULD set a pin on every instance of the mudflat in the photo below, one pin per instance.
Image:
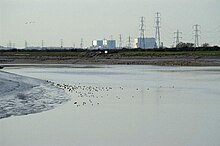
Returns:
(161, 60)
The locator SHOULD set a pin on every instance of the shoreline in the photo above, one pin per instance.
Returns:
(22, 95)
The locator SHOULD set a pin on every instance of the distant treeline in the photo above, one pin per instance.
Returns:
(215, 48)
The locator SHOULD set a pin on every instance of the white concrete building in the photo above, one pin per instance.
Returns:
(145, 43)
(103, 44)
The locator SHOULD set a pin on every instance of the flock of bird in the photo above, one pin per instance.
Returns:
(91, 95)
(30, 22)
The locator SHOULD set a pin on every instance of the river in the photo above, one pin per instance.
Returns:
(122, 105)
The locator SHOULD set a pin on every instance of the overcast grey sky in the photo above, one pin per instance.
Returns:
(72, 20)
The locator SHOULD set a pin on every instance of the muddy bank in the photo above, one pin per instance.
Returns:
(22, 95)
(168, 60)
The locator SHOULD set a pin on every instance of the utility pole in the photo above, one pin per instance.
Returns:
(157, 36)
(81, 43)
(129, 42)
(120, 41)
(142, 34)
(177, 37)
(196, 35)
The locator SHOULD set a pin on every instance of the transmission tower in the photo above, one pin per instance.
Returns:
(61, 43)
(129, 42)
(142, 33)
(25, 44)
(42, 43)
(9, 44)
(120, 41)
(13, 45)
(177, 37)
(196, 35)
(157, 36)
(111, 37)
(81, 43)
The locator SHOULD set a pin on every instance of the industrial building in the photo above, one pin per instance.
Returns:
(145, 43)
(103, 44)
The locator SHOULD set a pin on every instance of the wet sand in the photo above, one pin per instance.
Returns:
(20, 95)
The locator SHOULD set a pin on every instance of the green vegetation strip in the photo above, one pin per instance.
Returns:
(202, 53)
(63, 54)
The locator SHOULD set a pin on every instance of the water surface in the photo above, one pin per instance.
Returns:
(147, 105)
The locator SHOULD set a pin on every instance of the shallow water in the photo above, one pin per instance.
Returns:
(147, 105)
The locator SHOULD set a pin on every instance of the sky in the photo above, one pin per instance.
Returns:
(71, 20)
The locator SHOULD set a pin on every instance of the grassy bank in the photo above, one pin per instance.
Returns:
(136, 57)
(117, 53)
(77, 52)
(42, 53)
(196, 53)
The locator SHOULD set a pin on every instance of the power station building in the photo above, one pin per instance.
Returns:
(145, 43)
(104, 44)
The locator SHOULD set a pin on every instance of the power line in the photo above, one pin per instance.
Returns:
(157, 36)
(196, 35)
(166, 31)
